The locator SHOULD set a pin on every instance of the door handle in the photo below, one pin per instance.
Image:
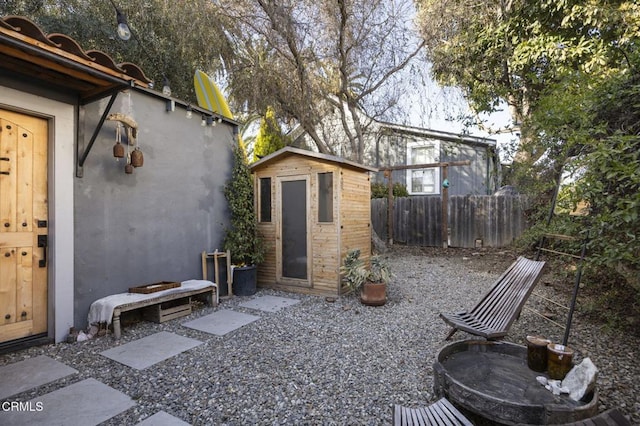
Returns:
(43, 241)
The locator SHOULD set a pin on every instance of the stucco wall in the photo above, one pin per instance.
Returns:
(151, 225)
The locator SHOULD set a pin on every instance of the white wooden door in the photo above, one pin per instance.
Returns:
(23, 225)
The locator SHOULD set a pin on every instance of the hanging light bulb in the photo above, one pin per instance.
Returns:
(204, 121)
(166, 89)
(189, 112)
(124, 33)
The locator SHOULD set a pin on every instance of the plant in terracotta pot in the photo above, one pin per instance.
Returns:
(242, 239)
(371, 280)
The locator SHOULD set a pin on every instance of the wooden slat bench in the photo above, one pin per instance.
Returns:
(492, 317)
(440, 413)
(108, 309)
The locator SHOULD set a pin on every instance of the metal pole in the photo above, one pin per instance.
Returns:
(554, 199)
(445, 209)
(388, 175)
(576, 287)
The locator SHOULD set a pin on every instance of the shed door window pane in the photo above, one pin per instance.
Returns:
(423, 181)
(325, 197)
(265, 199)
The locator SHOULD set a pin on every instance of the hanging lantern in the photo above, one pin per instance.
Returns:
(137, 159)
(118, 148)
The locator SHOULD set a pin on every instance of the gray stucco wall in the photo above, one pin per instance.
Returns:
(151, 225)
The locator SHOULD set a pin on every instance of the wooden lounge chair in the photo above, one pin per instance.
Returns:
(440, 413)
(493, 316)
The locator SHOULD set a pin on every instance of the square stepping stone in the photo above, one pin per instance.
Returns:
(31, 373)
(221, 322)
(269, 303)
(85, 403)
(145, 352)
(162, 419)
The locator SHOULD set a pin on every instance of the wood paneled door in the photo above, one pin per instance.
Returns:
(23, 225)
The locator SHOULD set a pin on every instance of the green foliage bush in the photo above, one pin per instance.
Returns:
(356, 273)
(381, 190)
(242, 238)
(600, 142)
(270, 137)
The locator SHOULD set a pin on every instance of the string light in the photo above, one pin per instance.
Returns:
(166, 89)
(123, 30)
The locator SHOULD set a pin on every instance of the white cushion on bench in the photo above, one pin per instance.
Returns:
(102, 309)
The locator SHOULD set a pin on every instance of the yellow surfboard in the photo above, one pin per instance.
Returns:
(209, 96)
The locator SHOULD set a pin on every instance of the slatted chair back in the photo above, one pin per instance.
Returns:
(493, 315)
(440, 413)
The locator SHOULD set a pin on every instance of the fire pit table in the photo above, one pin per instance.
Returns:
(492, 379)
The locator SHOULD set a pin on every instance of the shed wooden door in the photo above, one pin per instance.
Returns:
(293, 223)
(23, 225)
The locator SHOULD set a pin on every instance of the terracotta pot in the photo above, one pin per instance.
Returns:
(373, 294)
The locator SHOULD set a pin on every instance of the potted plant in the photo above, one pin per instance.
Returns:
(370, 280)
(242, 238)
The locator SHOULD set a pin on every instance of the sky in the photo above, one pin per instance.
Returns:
(434, 107)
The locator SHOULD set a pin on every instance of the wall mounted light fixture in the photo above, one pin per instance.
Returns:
(189, 112)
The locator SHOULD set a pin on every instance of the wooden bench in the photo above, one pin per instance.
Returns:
(108, 309)
(492, 317)
(440, 413)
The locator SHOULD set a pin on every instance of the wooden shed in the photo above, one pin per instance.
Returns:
(312, 208)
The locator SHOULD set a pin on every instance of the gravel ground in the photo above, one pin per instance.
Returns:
(326, 363)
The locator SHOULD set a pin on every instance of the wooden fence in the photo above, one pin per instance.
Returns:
(473, 220)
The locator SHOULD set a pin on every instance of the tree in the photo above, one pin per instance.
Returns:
(601, 146)
(499, 50)
(164, 43)
(570, 72)
(242, 238)
(309, 58)
(270, 137)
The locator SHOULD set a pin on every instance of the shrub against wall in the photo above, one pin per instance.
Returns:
(381, 190)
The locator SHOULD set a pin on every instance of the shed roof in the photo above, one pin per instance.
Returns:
(289, 151)
(59, 61)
